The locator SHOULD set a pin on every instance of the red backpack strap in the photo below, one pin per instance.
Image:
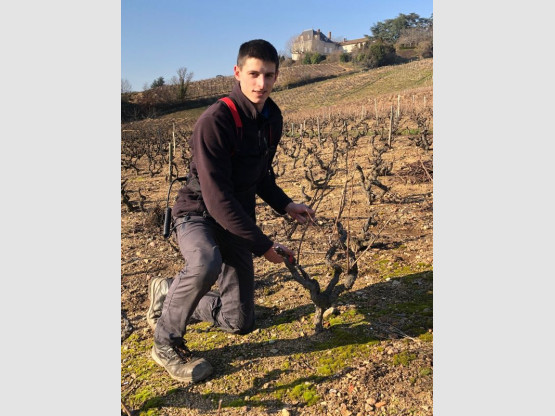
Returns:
(231, 105)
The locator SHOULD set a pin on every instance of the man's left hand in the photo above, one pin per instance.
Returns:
(300, 212)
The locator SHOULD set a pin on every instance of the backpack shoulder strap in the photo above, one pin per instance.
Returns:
(231, 105)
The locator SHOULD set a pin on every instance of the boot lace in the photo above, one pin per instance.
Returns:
(183, 352)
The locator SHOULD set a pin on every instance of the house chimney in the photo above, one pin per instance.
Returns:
(329, 35)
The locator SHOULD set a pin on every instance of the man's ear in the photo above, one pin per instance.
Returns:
(277, 73)
(236, 71)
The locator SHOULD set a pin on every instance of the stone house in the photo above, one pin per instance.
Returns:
(315, 41)
(351, 45)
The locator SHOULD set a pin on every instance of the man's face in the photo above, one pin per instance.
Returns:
(257, 78)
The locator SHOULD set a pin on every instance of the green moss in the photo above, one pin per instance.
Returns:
(301, 389)
(426, 337)
(305, 392)
(381, 263)
(154, 402)
(137, 364)
(280, 392)
(425, 371)
(150, 412)
(390, 269)
(286, 365)
(253, 402)
(209, 341)
(335, 360)
(235, 403)
(410, 132)
(403, 358)
(348, 317)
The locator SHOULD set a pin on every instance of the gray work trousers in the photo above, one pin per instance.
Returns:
(211, 255)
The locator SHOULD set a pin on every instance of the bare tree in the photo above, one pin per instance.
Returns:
(290, 43)
(125, 86)
(182, 81)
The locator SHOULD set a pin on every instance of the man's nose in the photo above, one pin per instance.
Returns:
(261, 81)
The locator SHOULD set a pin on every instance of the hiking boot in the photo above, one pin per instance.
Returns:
(157, 290)
(180, 363)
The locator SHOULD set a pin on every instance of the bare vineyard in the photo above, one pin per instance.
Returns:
(287, 76)
(357, 165)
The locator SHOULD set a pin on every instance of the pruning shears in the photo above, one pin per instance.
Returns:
(282, 253)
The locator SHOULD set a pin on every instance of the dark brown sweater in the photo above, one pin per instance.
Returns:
(228, 170)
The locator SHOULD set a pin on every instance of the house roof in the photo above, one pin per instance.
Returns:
(310, 33)
(353, 42)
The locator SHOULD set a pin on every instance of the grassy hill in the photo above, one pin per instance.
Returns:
(303, 87)
(351, 88)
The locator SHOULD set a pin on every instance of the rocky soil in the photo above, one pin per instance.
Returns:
(375, 354)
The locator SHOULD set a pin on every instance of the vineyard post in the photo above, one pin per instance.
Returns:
(318, 123)
(376, 110)
(398, 106)
(390, 126)
(170, 155)
(173, 146)
(173, 138)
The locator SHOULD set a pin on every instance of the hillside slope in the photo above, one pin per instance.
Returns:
(350, 89)
(358, 87)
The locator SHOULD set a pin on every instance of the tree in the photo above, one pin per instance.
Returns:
(390, 30)
(125, 86)
(289, 45)
(182, 81)
(158, 82)
(376, 55)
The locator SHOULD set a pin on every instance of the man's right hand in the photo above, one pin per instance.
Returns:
(274, 257)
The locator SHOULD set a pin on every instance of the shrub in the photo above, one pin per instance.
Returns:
(313, 58)
(345, 57)
(378, 54)
(426, 49)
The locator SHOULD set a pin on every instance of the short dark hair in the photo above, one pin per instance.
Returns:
(257, 48)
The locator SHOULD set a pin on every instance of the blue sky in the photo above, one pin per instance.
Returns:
(158, 37)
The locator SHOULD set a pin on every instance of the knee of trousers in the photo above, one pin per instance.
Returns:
(205, 270)
(242, 325)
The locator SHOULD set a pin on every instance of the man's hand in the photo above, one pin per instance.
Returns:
(300, 212)
(274, 257)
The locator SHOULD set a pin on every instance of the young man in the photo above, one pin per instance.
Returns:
(215, 220)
